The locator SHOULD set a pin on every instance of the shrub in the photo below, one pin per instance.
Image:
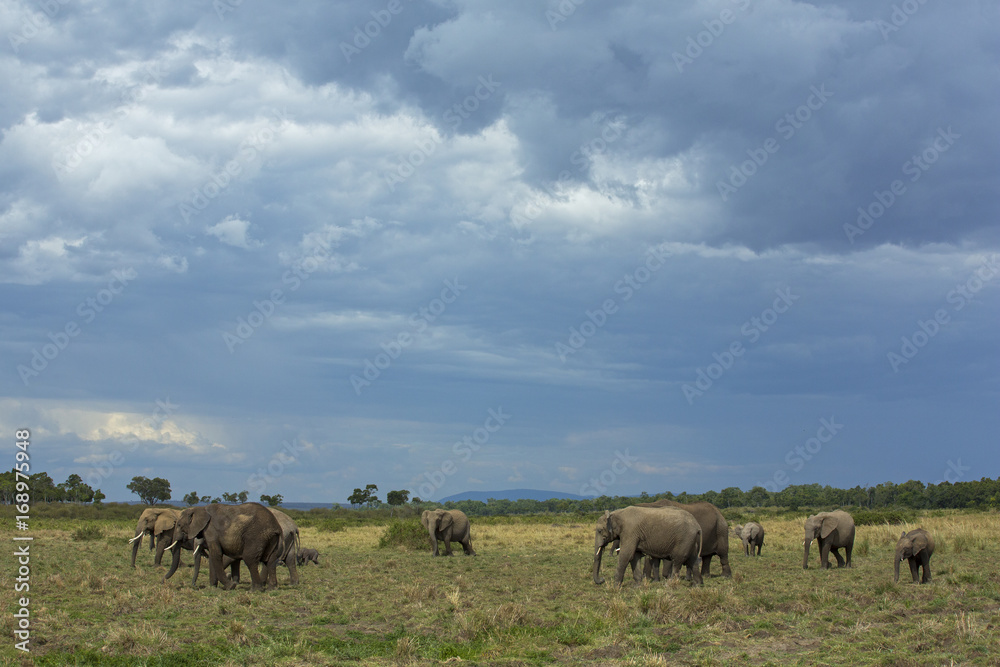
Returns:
(406, 533)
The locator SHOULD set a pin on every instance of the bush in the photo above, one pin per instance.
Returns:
(406, 533)
(88, 533)
(882, 517)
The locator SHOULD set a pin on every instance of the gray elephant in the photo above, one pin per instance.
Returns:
(448, 526)
(917, 546)
(661, 533)
(247, 532)
(308, 556)
(289, 552)
(714, 535)
(158, 523)
(752, 535)
(832, 531)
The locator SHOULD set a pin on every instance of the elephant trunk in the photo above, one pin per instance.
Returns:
(432, 532)
(174, 562)
(598, 579)
(895, 578)
(136, 541)
(805, 557)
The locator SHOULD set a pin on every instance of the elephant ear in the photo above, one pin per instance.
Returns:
(445, 520)
(919, 543)
(829, 525)
(614, 524)
(199, 521)
(164, 523)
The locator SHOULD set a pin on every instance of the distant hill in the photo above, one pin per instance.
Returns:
(511, 494)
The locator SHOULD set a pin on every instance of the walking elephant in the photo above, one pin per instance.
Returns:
(662, 533)
(288, 549)
(752, 535)
(158, 523)
(714, 534)
(448, 526)
(832, 531)
(308, 556)
(247, 532)
(917, 546)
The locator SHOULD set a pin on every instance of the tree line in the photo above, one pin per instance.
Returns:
(974, 494)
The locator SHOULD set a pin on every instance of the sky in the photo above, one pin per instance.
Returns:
(444, 245)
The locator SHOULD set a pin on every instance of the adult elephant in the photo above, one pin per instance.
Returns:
(832, 531)
(448, 526)
(158, 523)
(917, 546)
(752, 535)
(288, 548)
(714, 533)
(662, 533)
(247, 532)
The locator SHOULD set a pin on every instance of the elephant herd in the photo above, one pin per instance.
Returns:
(666, 531)
(682, 535)
(259, 536)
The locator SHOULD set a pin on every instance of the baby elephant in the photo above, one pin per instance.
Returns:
(752, 534)
(917, 546)
(307, 555)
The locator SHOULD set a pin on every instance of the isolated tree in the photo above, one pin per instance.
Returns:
(150, 491)
(98, 497)
(272, 501)
(358, 497)
(206, 499)
(396, 498)
(74, 490)
(372, 498)
(242, 496)
(191, 498)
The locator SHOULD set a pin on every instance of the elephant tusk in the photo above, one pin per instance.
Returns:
(196, 550)
(134, 539)
(172, 545)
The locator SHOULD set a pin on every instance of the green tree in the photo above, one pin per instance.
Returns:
(396, 498)
(230, 497)
(191, 498)
(98, 498)
(208, 499)
(242, 496)
(272, 501)
(150, 491)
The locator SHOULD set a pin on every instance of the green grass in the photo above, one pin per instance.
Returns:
(527, 598)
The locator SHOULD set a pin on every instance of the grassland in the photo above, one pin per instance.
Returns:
(527, 598)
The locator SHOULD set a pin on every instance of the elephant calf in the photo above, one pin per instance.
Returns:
(752, 534)
(917, 546)
(308, 555)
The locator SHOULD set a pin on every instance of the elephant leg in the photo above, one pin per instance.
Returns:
(824, 556)
(913, 569)
(836, 554)
(847, 553)
(925, 562)
(624, 558)
(215, 564)
(467, 547)
(293, 570)
(706, 563)
(637, 572)
(161, 544)
(259, 583)
(668, 569)
(234, 571)
(724, 562)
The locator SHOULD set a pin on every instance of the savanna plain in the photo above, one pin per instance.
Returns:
(378, 597)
